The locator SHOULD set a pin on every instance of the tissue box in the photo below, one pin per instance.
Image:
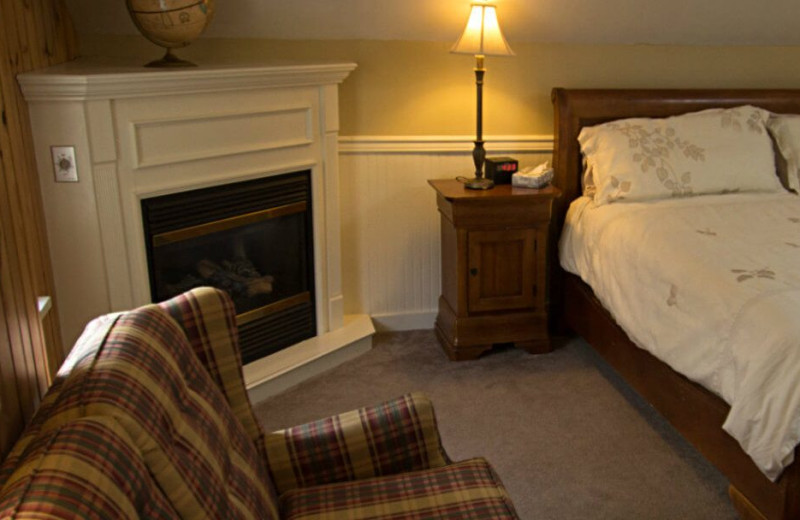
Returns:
(532, 180)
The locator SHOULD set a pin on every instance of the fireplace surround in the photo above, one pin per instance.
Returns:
(142, 134)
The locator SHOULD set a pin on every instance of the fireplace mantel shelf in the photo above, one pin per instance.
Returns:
(85, 80)
(139, 133)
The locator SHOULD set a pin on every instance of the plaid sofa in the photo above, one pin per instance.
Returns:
(149, 418)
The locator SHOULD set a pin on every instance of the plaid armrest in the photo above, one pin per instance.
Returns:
(390, 438)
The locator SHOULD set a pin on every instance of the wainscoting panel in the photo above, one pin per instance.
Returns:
(390, 225)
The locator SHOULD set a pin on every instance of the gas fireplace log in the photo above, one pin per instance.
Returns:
(237, 276)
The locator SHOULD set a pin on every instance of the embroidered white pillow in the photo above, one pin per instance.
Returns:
(712, 151)
(785, 129)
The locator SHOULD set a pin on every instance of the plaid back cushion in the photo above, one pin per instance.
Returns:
(146, 375)
(81, 354)
(208, 318)
(87, 469)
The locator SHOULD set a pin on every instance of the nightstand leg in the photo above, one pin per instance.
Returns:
(538, 346)
(460, 353)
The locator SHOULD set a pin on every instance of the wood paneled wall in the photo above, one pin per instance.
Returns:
(33, 34)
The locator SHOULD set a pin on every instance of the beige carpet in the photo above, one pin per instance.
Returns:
(568, 438)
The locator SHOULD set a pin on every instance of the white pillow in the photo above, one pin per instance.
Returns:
(587, 180)
(785, 129)
(712, 151)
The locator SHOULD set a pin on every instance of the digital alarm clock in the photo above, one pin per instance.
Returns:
(500, 169)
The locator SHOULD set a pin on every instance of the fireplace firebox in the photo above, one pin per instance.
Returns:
(253, 239)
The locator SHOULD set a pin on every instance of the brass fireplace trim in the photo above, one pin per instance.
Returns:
(266, 310)
(228, 223)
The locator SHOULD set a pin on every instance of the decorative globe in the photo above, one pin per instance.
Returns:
(171, 24)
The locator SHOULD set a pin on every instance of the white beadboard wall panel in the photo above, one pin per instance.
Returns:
(391, 254)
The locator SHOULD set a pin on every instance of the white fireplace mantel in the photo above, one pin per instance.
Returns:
(140, 133)
(83, 81)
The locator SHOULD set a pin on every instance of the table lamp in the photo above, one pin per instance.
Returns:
(482, 37)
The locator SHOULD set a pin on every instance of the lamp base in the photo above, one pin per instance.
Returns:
(479, 183)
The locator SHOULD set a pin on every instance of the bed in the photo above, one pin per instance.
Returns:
(698, 413)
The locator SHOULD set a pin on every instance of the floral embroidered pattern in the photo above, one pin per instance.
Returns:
(620, 188)
(745, 274)
(731, 119)
(654, 149)
(672, 301)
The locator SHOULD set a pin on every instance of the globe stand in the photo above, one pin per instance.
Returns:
(170, 60)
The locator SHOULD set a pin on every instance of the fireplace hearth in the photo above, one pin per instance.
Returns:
(252, 239)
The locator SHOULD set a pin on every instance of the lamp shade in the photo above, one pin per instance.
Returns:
(482, 36)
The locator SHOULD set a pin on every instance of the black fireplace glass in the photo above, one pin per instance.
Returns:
(256, 264)
(252, 239)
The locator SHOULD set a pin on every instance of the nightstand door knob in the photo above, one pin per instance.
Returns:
(474, 271)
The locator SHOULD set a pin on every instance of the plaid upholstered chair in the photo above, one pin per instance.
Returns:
(149, 418)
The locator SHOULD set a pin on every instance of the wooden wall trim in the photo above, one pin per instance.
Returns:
(33, 34)
(439, 144)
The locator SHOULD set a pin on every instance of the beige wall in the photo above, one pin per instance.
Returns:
(390, 227)
(419, 88)
(650, 22)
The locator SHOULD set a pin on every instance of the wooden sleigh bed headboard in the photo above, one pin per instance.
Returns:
(694, 411)
(575, 109)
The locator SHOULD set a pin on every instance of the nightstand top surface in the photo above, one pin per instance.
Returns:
(452, 189)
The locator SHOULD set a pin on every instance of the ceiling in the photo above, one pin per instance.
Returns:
(683, 22)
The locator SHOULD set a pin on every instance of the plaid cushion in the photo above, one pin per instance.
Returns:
(465, 490)
(393, 437)
(88, 469)
(145, 374)
(208, 318)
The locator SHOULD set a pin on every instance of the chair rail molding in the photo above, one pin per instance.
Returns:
(443, 144)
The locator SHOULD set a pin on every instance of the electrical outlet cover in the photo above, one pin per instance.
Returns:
(64, 165)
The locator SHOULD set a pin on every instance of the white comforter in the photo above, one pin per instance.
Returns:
(711, 286)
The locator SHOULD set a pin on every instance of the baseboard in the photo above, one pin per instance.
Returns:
(404, 321)
(274, 374)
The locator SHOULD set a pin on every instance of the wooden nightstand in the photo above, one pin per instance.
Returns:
(494, 268)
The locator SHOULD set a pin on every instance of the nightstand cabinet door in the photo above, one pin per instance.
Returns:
(502, 270)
